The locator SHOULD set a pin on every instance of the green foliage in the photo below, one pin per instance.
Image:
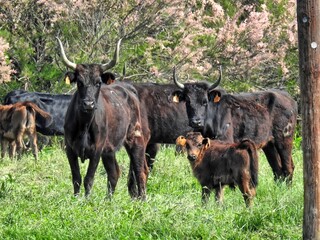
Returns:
(6, 185)
(38, 203)
(278, 9)
(229, 6)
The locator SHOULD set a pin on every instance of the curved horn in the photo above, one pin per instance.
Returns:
(115, 59)
(214, 85)
(175, 79)
(66, 61)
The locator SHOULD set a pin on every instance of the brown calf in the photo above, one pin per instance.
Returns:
(16, 121)
(216, 164)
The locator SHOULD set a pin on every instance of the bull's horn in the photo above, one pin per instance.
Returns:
(214, 85)
(66, 61)
(115, 59)
(175, 79)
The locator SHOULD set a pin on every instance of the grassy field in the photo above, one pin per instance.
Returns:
(36, 202)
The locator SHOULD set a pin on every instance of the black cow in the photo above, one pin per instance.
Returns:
(166, 118)
(268, 118)
(99, 120)
(195, 97)
(55, 104)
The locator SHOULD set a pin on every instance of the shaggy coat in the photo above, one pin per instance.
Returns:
(216, 164)
(268, 118)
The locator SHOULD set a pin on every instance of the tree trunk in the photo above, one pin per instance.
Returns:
(308, 17)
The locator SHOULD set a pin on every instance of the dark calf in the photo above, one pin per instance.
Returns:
(216, 164)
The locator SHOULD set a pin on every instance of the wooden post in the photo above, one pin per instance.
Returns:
(308, 17)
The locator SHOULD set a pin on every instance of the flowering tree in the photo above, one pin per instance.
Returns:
(5, 68)
(255, 41)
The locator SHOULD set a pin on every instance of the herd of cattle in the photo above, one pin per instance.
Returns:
(220, 132)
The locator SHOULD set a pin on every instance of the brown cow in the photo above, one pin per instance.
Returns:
(18, 120)
(100, 120)
(216, 164)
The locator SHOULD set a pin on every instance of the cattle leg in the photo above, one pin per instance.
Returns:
(138, 172)
(92, 168)
(151, 152)
(4, 146)
(219, 194)
(12, 149)
(75, 170)
(113, 171)
(34, 145)
(132, 182)
(285, 152)
(245, 188)
(274, 160)
(205, 194)
(20, 143)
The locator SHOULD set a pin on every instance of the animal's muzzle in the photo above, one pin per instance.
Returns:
(192, 157)
(88, 105)
(196, 123)
(179, 149)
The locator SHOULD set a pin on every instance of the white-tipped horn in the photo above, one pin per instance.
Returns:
(175, 79)
(115, 59)
(66, 61)
(214, 85)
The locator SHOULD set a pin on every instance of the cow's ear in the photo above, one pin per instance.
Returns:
(108, 78)
(69, 77)
(214, 96)
(205, 143)
(177, 96)
(181, 140)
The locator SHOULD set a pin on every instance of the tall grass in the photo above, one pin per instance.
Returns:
(36, 202)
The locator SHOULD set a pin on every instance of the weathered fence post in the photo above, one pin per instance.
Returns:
(308, 17)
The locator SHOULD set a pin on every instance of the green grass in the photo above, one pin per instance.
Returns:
(36, 202)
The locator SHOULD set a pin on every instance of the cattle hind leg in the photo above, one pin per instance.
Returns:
(247, 191)
(285, 152)
(205, 195)
(151, 152)
(34, 145)
(274, 160)
(4, 146)
(138, 172)
(219, 194)
(113, 171)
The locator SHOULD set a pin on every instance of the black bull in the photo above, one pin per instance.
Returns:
(267, 117)
(100, 120)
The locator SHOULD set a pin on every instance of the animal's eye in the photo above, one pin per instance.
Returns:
(199, 145)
